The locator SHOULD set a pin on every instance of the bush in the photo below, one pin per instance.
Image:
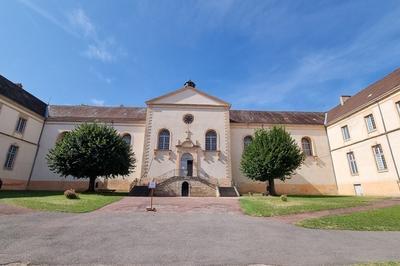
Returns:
(284, 197)
(71, 194)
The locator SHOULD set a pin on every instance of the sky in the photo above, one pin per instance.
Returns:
(262, 55)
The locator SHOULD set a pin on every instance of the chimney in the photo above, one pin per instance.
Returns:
(344, 98)
(19, 85)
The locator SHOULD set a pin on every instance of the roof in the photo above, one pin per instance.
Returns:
(365, 97)
(268, 117)
(17, 94)
(186, 88)
(86, 113)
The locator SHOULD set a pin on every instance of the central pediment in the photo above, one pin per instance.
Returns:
(187, 96)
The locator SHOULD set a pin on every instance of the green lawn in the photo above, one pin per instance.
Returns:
(385, 219)
(274, 206)
(56, 201)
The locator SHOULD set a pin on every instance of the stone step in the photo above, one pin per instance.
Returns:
(227, 192)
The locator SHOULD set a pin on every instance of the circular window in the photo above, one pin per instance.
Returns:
(188, 118)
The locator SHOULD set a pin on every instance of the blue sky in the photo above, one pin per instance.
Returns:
(266, 55)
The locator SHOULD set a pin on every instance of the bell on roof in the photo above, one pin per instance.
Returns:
(190, 83)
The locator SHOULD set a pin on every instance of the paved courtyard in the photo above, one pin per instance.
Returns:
(183, 231)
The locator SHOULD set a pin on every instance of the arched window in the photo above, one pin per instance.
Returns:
(127, 138)
(306, 146)
(163, 140)
(211, 140)
(247, 140)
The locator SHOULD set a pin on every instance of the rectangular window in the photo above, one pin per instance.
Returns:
(398, 106)
(345, 133)
(352, 163)
(370, 122)
(379, 157)
(11, 155)
(20, 125)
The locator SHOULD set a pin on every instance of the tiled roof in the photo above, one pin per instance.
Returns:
(267, 117)
(85, 113)
(366, 96)
(17, 94)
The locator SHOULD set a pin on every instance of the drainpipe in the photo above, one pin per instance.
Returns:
(37, 149)
(330, 151)
(390, 146)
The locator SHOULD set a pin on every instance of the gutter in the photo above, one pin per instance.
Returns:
(330, 152)
(388, 141)
(37, 148)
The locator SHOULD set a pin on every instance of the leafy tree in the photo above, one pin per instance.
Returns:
(89, 151)
(273, 154)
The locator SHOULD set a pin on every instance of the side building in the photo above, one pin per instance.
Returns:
(22, 118)
(364, 136)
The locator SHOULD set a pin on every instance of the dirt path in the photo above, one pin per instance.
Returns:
(8, 209)
(294, 218)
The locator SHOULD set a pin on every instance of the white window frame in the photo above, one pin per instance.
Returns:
(21, 125)
(398, 106)
(345, 130)
(352, 163)
(370, 123)
(11, 157)
(164, 140)
(309, 149)
(211, 141)
(379, 156)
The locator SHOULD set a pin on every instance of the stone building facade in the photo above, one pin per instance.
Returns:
(191, 143)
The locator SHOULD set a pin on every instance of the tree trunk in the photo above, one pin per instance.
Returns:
(92, 181)
(271, 187)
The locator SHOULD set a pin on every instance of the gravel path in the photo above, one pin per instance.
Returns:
(120, 234)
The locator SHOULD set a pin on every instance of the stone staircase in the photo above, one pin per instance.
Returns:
(227, 192)
(139, 191)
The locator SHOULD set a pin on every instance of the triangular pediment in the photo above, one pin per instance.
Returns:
(187, 96)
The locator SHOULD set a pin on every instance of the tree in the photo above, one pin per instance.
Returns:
(89, 151)
(273, 154)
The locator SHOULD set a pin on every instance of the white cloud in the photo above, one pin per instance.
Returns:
(78, 19)
(371, 51)
(78, 24)
(97, 102)
(99, 52)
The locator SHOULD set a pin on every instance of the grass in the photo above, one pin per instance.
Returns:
(385, 219)
(56, 201)
(274, 206)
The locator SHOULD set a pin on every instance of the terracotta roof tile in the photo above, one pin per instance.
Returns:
(267, 117)
(17, 94)
(86, 113)
(366, 96)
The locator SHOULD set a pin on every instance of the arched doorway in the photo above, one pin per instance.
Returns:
(185, 189)
(186, 165)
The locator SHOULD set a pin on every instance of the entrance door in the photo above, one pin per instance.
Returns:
(189, 167)
(358, 189)
(186, 168)
(185, 189)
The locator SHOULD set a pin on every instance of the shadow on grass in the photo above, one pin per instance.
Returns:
(38, 193)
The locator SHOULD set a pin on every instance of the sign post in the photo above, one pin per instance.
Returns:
(152, 186)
